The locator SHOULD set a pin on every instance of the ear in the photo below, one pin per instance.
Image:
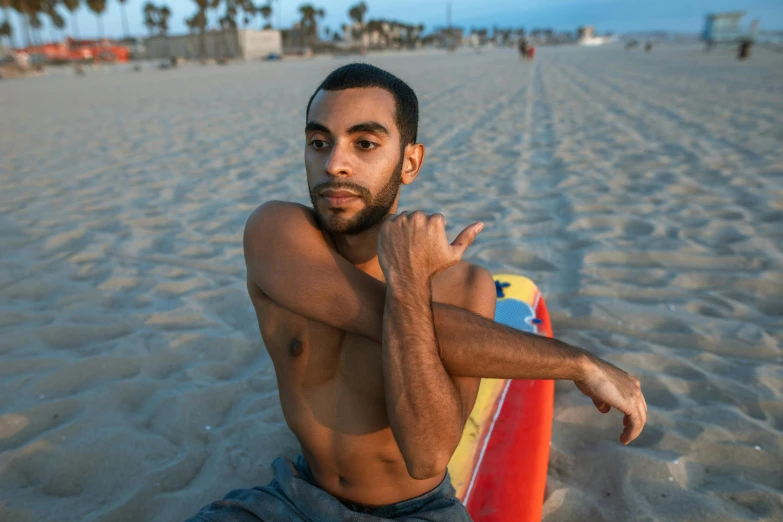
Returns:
(413, 158)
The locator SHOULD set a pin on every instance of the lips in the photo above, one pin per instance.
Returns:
(331, 193)
(336, 198)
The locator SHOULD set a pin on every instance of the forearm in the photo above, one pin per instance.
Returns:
(472, 346)
(422, 402)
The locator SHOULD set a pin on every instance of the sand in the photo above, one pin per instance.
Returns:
(644, 193)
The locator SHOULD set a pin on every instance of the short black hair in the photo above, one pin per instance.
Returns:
(362, 75)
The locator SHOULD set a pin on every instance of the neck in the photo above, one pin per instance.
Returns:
(361, 250)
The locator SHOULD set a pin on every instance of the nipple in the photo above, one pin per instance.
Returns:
(295, 349)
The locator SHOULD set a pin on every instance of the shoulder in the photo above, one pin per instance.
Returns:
(275, 221)
(469, 286)
(276, 213)
(277, 232)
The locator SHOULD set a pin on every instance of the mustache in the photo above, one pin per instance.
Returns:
(342, 185)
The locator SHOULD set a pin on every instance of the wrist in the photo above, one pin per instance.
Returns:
(409, 297)
(406, 283)
(584, 366)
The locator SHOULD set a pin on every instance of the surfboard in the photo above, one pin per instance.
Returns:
(499, 469)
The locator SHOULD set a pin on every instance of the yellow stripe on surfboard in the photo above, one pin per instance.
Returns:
(464, 458)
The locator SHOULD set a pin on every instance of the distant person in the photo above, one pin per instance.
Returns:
(743, 52)
(648, 47)
(523, 48)
(378, 331)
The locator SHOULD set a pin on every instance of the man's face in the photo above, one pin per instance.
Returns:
(353, 158)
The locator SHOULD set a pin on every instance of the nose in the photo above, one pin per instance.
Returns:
(338, 164)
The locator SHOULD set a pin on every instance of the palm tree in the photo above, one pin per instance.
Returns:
(214, 4)
(227, 23)
(156, 18)
(230, 15)
(98, 7)
(23, 7)
(124, 17)
(356, 13)
(199, 21)
(6, 29)
(73, 6)
(309, 22)
(33, 10)
(163, 23)
(50, 7)
(266, 12)
(150, 17)
(250, 10)
(36, 24)
(164, 13)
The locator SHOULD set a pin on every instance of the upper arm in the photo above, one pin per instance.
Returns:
(289, 260)
(478, 296)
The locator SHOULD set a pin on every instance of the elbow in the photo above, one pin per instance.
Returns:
(427, 467)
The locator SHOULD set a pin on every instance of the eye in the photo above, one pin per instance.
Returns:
(367, 145)
(318, 144)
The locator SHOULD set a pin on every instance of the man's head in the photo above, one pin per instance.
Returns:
(360, 147)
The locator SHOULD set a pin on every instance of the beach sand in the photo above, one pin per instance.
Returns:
(642, 192)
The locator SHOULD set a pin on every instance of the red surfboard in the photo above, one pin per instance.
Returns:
(500, 467)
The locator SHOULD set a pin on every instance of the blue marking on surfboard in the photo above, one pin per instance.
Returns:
(517, 314)
(499, 288)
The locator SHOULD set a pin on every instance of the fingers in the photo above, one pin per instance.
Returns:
(602, 406)
(635, 416)
(438, 219)
(437, 222)
(465, 238)
(633, 427)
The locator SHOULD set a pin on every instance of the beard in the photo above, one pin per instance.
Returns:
(375, 210)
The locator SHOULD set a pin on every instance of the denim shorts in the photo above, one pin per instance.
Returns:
(293, 496)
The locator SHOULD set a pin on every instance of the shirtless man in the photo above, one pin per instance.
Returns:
(378, 332)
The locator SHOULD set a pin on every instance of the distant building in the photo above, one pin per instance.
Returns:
(586, 36)
(295, 41)
(237, 44)
(723, 27)
(381, 34)
(585, 32)
(448, 37)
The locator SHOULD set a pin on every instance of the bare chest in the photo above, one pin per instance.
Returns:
(335, 376)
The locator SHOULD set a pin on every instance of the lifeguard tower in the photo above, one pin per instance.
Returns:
(723, 27)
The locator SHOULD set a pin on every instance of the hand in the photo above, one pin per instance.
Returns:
(610, 387)
(414, 245)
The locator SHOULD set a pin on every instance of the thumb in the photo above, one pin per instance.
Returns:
(466, 237)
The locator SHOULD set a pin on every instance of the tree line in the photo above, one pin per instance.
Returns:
(224, 14)
(33, 13)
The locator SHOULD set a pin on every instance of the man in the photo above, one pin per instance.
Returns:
(378, 332)
(523, 47)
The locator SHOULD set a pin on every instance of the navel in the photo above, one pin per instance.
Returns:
(295, 348)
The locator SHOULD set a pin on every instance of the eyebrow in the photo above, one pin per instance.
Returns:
(314, 126)
(373, 127)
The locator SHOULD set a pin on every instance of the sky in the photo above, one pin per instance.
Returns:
(618, 16)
